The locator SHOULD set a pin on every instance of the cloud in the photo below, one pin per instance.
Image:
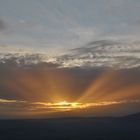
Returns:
(27, 109)
(47, 81)
(104, 53)
(2, 25)
(22, 87)
(95, 54)
(10, 101)
(68, 25)
(65, 106)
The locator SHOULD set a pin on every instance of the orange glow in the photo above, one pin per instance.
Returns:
(61, 105)
(58, 91)
(67, 106)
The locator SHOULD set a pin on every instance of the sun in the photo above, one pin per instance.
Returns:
(61, 106)
(65, 104)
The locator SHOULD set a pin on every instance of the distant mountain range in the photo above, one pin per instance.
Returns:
(102, 128)
(134, 117)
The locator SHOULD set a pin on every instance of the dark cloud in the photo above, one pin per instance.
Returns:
(48, 83)
(2, 25)
(43, 80)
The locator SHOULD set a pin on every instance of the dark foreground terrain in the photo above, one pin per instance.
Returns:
(123, 128)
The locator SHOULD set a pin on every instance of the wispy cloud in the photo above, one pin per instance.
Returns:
(10, 101)
(47, 107)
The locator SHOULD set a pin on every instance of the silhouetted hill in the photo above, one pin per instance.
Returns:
(102, 128)
(135, 117)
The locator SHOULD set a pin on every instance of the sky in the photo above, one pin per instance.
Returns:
(85, 52)
(67, 23)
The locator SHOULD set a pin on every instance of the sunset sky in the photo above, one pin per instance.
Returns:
(69, 58)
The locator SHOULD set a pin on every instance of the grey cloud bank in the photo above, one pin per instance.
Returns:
(96, 54)
(68, 24)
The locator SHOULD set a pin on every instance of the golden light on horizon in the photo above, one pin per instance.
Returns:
(56, 92)
(61, 105)
(69, 106)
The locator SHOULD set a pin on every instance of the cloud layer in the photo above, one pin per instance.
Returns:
(67, 24)
(96, 54)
